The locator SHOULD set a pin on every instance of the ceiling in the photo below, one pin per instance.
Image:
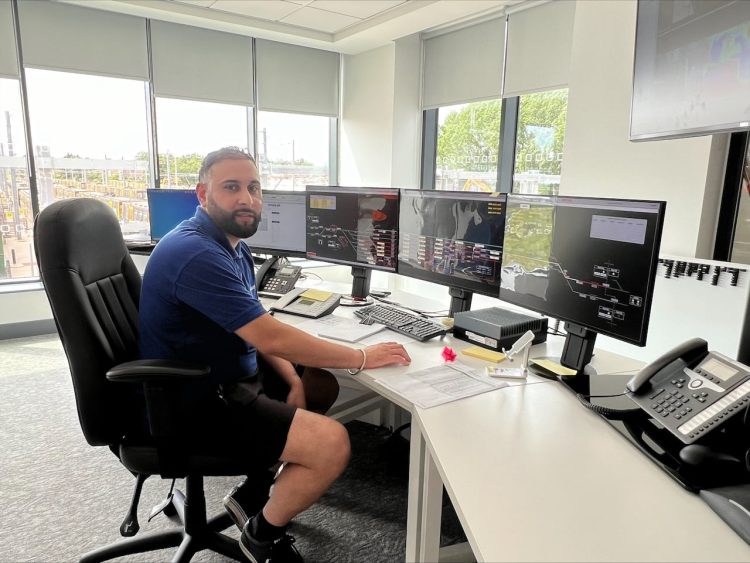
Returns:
(346, 26)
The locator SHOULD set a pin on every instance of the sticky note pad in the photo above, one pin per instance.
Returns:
(483, 354)
(554, 367)
(316, 294)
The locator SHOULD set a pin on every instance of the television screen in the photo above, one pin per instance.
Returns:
(692, 68)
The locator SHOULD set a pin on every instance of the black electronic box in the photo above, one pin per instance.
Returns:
(497, 328)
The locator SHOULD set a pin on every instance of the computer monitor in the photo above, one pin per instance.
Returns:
(356, 227)
(590, 262)
(281, 231)
(167, 208)
(454, 239)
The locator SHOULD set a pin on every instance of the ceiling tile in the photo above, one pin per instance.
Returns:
(320, 20)
(264, 9)
(356, 8)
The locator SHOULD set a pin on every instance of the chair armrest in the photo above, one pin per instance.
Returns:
(163, 382)
(157, 371)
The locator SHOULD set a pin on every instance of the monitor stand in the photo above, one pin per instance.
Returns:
(460, 300)
(577, 353)
(360, 288)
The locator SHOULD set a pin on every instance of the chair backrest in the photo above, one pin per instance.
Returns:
(93, 288)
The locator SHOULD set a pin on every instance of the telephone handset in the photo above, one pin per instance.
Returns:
(296, 303)
(276, 278)
(690, 391)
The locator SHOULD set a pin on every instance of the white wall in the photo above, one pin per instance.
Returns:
(24, 306)
(367, 117)
(600, 160)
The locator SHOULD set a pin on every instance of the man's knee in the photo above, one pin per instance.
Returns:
(317, 441)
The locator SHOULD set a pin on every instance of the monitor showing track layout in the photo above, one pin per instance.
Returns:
(587, 261)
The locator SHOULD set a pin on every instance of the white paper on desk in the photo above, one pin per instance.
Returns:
(340, 328)
(440, 384)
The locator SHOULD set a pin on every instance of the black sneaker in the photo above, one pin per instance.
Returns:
(247, 498)
(280, 550)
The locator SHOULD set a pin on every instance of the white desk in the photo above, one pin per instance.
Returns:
(534, 476)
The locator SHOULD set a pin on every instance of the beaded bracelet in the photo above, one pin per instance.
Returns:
(364, 361)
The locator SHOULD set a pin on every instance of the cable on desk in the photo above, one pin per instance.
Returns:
(305, 275)
(607, 412)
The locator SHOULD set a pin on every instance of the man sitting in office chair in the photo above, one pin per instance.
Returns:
(199, 303)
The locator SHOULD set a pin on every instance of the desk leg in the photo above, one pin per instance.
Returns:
(425, 501)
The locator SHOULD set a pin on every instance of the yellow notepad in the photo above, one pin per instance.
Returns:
(483, 354)
(553, 367)
(316, 294)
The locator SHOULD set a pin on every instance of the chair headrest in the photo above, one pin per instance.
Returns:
(80, 234)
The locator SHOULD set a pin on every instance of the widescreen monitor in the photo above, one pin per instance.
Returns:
(454, 239)
(590, 262)
(281, 231)
(353, 226)
(167, 208)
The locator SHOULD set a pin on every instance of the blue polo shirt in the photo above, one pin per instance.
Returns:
(197, 290)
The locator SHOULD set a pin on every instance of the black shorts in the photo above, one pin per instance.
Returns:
(250, 415)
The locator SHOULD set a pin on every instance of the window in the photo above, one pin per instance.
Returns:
(294, 150)
(467, 146)
(90, 137)
(184, 142)
(16, 216)
(539, 142)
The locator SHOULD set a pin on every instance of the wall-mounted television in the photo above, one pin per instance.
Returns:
(691, 73)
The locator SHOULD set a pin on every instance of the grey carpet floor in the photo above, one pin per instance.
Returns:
(60, 497)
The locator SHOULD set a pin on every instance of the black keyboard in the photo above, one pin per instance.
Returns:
(401, 321)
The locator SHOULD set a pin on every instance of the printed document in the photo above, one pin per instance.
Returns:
(441, 384)
(340, 328)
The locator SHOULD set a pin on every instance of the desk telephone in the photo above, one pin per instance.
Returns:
(276, 278)
(296, 303)
(692, 391)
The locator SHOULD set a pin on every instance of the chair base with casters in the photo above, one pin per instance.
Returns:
(196, 534)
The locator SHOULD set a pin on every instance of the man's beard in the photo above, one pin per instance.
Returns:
(227, 222)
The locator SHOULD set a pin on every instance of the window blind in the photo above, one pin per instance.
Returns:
(295, 79)
(201, 64)
(539, 41)
(464, 65)
(59, 36)
(8, 63)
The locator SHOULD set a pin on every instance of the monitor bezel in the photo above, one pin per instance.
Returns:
(444, 279)
(364, 190)
(255, 249)
(653, 268)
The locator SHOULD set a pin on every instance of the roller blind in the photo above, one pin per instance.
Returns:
(63, 37)
(464, 65)
(539, 41)
(297, 79)
(201, 64)
(8, 63)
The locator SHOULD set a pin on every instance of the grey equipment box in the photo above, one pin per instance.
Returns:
(497, 328)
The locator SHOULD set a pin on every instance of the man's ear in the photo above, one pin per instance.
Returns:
(200, 191)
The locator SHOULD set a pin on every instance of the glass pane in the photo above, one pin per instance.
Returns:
(16, 217)
(90, 137)
(467, 147)
(741, 243)
(293, 150)
(181, 148)
(539, 142)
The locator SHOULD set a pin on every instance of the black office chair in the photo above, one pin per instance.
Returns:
(93, 288)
